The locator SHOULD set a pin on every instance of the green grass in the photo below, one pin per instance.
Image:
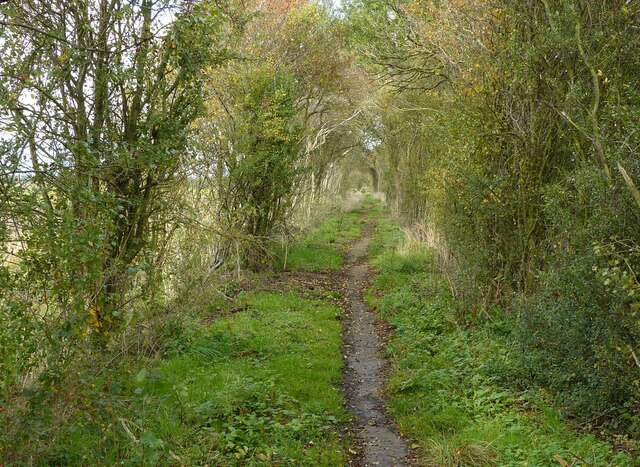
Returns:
(322, 248)
(257, 387)
(447, 388)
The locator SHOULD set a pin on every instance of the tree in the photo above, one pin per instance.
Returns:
(98, 96)
(282, 115)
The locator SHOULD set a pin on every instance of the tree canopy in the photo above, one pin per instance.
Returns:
(153, 148)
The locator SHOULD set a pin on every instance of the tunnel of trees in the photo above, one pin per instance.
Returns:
(151, 151)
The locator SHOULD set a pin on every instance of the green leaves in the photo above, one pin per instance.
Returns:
(141, 376)
(262, 157)
(152, 449)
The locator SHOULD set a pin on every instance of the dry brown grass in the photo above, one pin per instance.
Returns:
(421, 235)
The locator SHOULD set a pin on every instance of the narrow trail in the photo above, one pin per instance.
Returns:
(364, 365)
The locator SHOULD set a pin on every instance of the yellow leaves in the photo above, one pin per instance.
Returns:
(600, 74)
(93, 320)
(65, 57)
(95, 324)
(495, 196)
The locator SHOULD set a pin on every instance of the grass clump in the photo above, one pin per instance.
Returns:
(448, 388)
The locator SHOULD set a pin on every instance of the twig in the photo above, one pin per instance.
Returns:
(607, 412)
(127, 430)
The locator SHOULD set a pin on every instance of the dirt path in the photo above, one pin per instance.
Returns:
(364, 365)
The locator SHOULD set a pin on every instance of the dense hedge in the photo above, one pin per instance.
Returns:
(524, 158)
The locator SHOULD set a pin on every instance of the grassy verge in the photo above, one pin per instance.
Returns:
(447, 390)
(256, 385)
(322, 248)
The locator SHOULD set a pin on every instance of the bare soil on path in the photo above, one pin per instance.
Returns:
(364, 382)
(378, 442)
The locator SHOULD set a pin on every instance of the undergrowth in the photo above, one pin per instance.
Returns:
(256, 387)
(448, 387)
(251, 379)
